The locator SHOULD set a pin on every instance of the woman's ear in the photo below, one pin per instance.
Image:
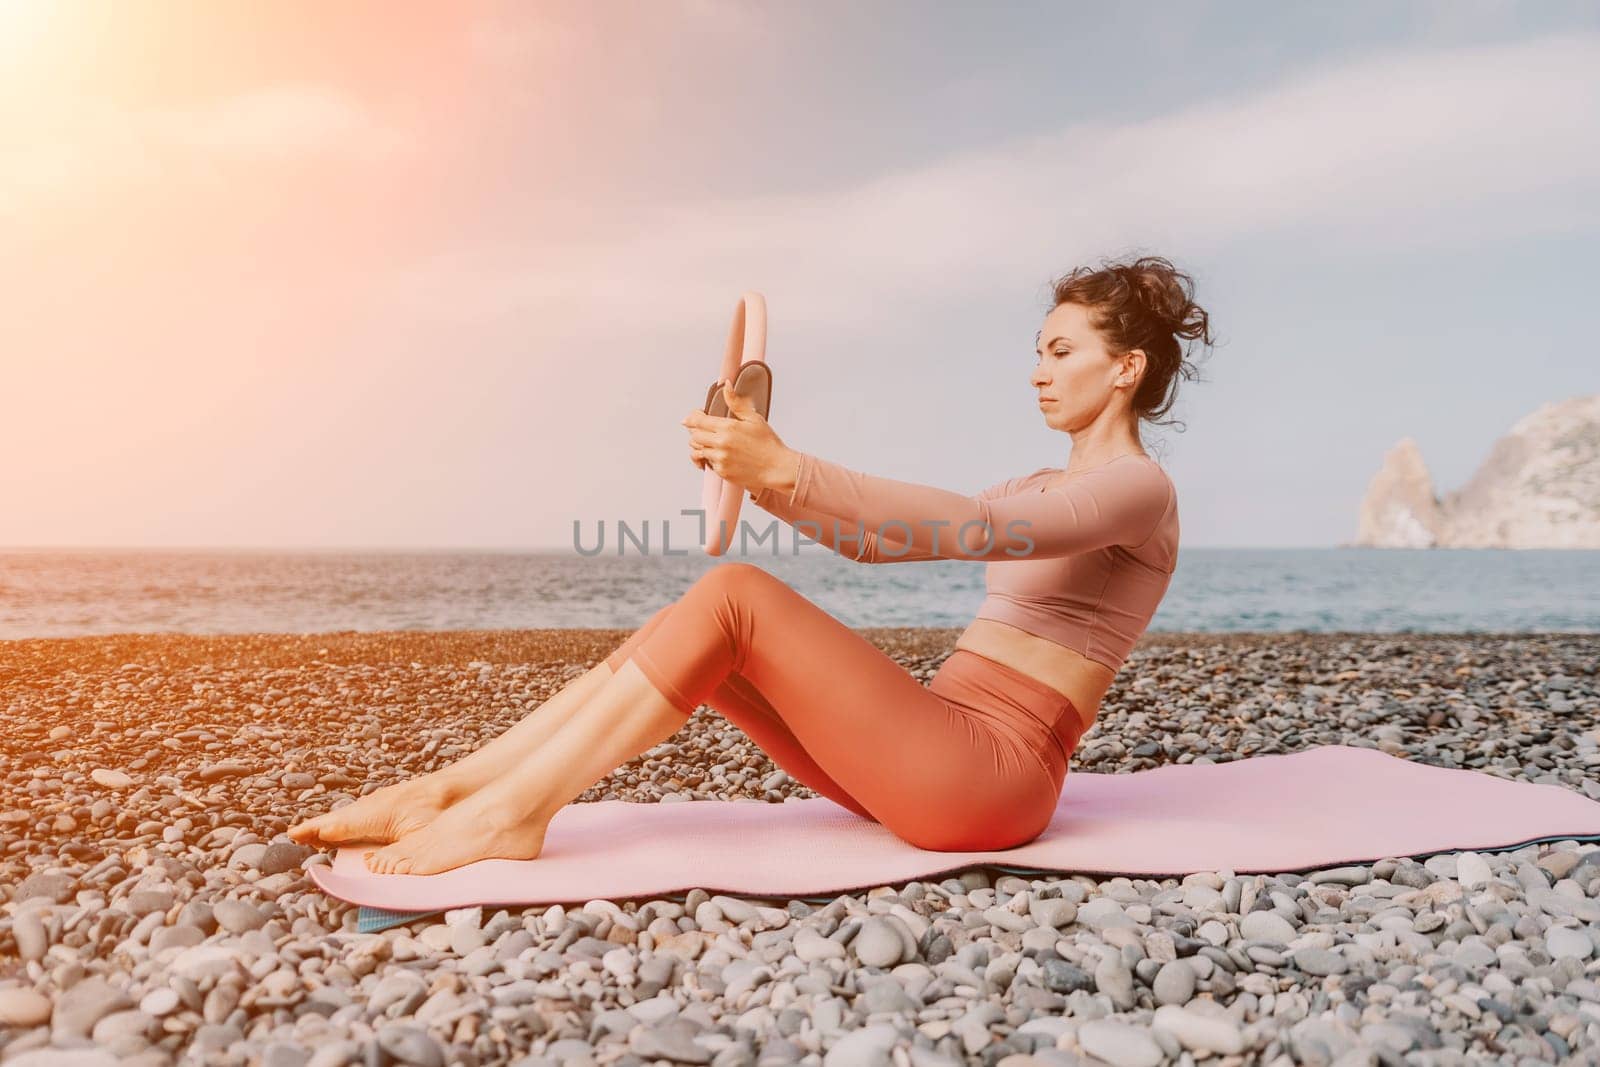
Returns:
(1133, 362)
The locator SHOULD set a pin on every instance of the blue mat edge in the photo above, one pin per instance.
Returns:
(370, 920)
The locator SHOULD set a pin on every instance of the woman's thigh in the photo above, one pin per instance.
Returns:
(743, 705)
(930, 771)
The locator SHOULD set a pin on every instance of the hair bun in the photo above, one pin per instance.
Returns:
(1155, 285)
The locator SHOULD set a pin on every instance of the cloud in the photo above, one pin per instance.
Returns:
(104, 146)
(526, 38)
(734, 17)
(282, 120)
(1432, 149)
(1444, 19)
(521, 42)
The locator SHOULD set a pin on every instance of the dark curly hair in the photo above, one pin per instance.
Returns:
(1147, 304)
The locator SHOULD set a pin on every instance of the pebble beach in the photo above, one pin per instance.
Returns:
(153, 910)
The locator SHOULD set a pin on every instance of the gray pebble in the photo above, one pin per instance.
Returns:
(56, 887)
(1204, 1033)
(1112, 977)
(23, 1008)
(810, 946)
(735, 910)
(283, 856)
(877, 944)
(142, 902)
(889, 996)
(248, 856)
(159, 1002)
(279, 1054)
(671, 1040)
(123, 1024)
(1174, 983)
(237, 916)
(1319, 961)
(1472, 870)
(1563, 942)
(1267, 926)
(867, 1047)
(165, 937)
(83, 1005)
(411, 1044)
(1120, 1044)
(1052, 911)
(334, 1053)
(1062, 977)
(32, 938)
(51, 1057)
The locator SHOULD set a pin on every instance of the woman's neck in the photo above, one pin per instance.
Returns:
(1084, 457)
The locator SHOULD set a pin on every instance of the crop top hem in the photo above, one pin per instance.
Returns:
(995, 609)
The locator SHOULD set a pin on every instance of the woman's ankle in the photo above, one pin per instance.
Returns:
(447, 786)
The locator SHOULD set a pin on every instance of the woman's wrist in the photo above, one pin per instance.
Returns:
(785, 474)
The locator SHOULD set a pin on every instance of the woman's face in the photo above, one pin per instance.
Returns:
(1075, 375)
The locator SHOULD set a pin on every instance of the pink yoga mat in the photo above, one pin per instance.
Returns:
(1298, 812)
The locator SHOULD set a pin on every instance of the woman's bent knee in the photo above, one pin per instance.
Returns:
(735, 570)
(733, 575)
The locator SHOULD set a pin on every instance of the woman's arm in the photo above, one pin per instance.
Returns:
(1117, 503)
(834, 531)
(830, 530)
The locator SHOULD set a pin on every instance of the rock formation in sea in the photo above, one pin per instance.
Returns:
(1539, 488)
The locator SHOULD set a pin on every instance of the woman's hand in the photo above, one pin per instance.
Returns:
(742, 449)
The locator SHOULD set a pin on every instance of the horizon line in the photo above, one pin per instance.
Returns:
(568, 551)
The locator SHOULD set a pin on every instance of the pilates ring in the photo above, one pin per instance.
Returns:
(747, 343)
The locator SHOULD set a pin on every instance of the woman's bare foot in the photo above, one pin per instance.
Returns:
(507, 817)
(385, 815)
(490, 824)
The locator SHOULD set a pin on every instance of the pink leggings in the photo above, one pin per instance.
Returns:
(973, 761)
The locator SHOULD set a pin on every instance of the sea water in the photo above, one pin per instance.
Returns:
(72, 592)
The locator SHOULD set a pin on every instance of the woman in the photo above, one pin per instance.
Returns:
(1079, 558)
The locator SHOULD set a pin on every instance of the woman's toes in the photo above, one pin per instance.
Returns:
(315, 831)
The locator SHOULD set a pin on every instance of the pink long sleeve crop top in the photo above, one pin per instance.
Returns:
(1083, 563)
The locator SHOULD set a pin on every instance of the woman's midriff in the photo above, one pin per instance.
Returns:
(1073, 675)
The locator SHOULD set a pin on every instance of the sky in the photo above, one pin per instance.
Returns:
(299, 275)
